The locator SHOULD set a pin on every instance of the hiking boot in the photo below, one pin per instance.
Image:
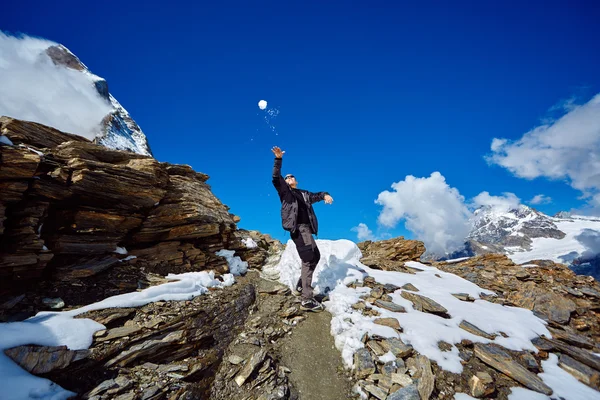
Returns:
(311, 305)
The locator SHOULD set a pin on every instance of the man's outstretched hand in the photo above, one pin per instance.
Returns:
(328, 199)
(278, 152)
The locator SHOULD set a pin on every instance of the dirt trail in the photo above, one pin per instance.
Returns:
(316, 364)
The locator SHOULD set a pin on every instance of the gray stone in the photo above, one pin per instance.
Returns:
(376, 391)
(376, 348)
(397, 347)
(588, 291)
(411, 287)
(469, 327)
(497, 358)
(43, 359)
(119, 332)
(481, 385)
(235, 360)
(401, 379)
(391, 306)
(250, 366)
(426, 382)
(149, 392)
(409, 392)
(363, 363)
(463, 296)
(103, 387)
(580, 371)
(424, 304)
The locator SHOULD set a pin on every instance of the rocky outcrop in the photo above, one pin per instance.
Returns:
(70, 209)
(391, 254)
(568, 302)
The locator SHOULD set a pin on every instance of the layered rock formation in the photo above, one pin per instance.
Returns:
(70, 209)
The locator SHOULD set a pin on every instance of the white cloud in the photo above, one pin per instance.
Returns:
(566, 148)
(435, 212)
(363, 232)
(34, 89)
(504, 203)
(540, 199)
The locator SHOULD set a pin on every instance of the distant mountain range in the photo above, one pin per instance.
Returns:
(525, 234)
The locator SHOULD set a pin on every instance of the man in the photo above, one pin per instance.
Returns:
(298, 217)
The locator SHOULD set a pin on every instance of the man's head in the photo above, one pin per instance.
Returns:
(291, 180)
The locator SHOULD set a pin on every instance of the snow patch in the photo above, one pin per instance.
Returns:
(62, 329)
(249, 243)
(236, 265)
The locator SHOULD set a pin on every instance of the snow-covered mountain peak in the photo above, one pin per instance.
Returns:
(43, 81)
(512, 227)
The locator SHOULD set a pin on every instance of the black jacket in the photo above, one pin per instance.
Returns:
(289, 202)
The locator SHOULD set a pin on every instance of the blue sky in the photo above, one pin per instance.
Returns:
(367, 92)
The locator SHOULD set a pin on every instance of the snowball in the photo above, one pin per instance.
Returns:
(262, 104)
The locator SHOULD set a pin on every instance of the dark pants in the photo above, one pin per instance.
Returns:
(309, 254)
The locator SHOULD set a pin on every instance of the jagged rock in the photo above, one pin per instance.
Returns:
(571, 338)
(397, 347)
(363, 364)
(409, 392)
(391, 254)
(250, 366)
(235, 360)
(469, 327)
(43, 359)
(426, 382)
(444, 346)
(388, 305)
(119, 332)
(411, 287)
(377, 292)
(580, 371)
(588, 291)
(463, 297)
(425, 304)
(103, 387)
(530, 362)
(272, 288)
(497, 358)
(376, 348)
(481, 385)
(583, 356)
(401, 379)
(391, 322)
(376, 391)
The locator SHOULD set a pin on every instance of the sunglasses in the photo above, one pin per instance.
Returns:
(290, 176)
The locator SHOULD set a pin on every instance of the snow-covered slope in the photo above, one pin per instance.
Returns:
(44, 82)
(339, 266)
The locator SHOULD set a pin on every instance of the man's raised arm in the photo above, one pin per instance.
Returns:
(278, 180)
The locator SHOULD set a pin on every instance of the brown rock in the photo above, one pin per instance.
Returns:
(580, 371)
(391, 306)
(497, 358)
(391, 322)
(481, 385)
(425, 304)
(469, 327)
(43, 359)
